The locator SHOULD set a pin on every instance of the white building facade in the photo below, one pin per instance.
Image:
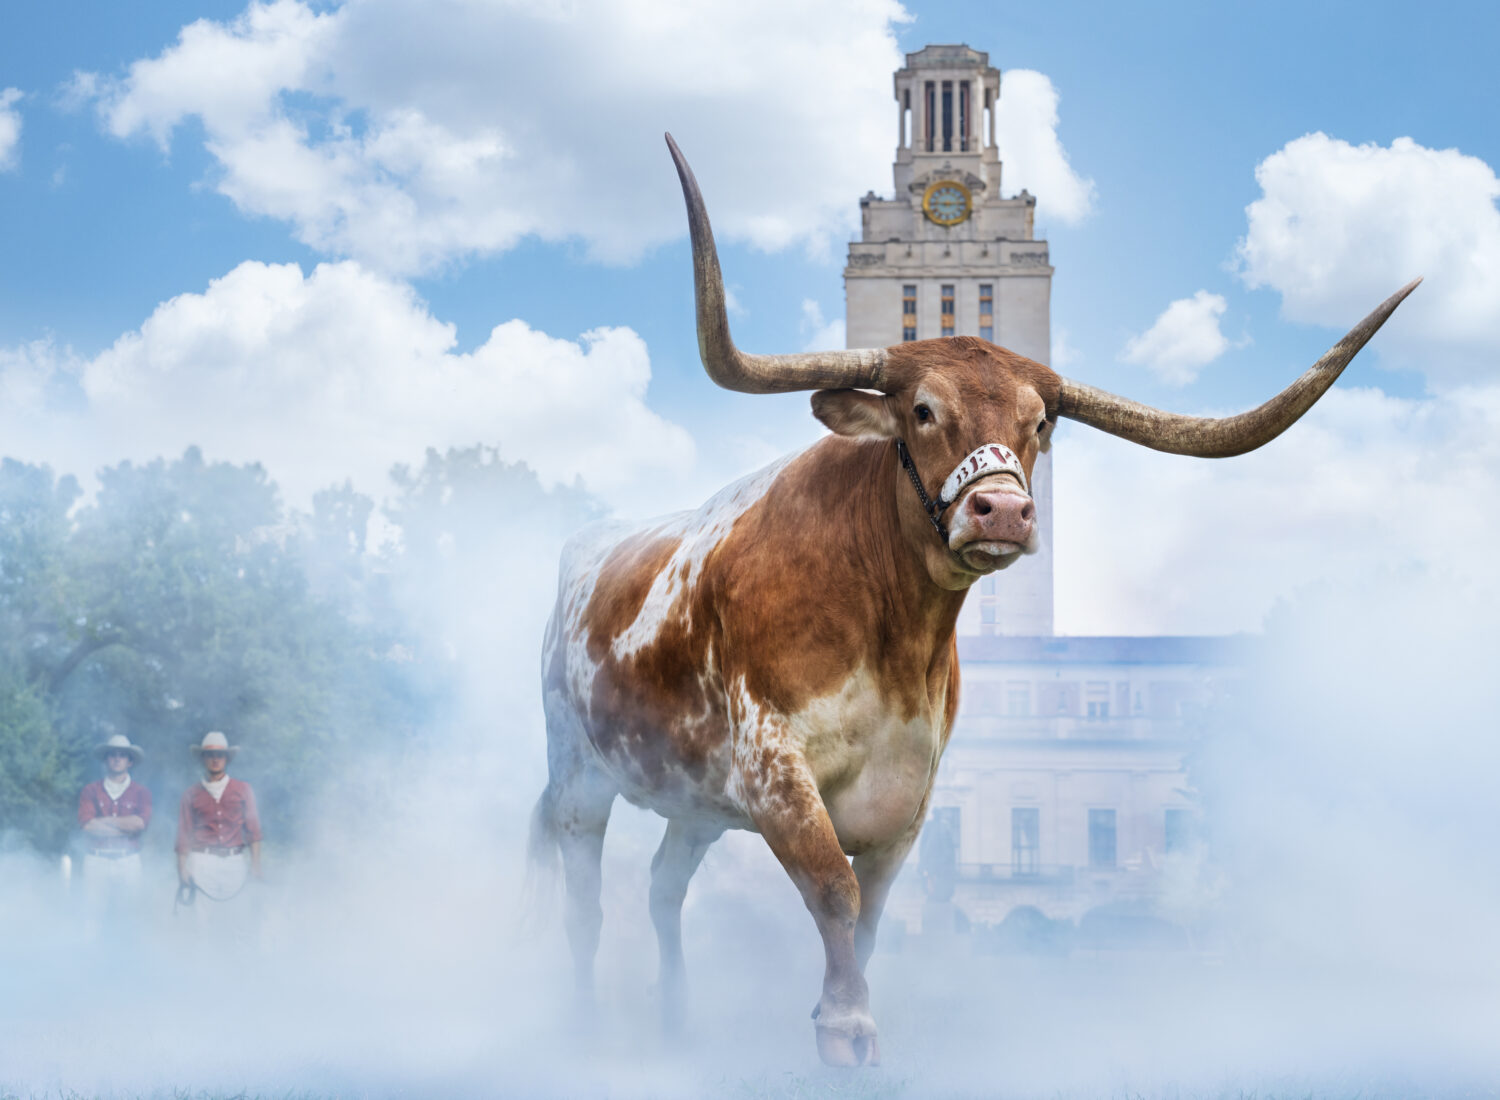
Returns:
(1063, 788)
(1064, 781)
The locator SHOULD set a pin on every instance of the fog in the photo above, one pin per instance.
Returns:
(1343, 906)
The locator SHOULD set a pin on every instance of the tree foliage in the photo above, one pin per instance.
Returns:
(184, 597)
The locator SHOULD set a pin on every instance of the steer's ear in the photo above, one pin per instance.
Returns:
(856, 413)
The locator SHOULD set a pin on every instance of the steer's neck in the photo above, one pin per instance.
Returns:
(893, 535)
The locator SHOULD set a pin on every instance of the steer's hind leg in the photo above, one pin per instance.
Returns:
(581, 814)
(682, 849)
(788, 810)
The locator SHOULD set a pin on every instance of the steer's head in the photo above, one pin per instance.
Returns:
(968, 418)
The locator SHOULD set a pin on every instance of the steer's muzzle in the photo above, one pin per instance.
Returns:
(995, 524)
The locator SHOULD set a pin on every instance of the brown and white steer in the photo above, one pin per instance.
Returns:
(783, 658)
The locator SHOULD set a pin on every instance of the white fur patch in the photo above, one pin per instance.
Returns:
(699, 531)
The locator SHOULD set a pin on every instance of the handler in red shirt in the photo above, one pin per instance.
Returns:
(113, 813)
(217, 824)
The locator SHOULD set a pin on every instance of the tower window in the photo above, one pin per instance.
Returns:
(987, 310)
(909, 312)
(947, 116)
(963, 117)
(947, 298)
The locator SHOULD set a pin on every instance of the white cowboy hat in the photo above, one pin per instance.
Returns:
(216, 742)
(120, 743)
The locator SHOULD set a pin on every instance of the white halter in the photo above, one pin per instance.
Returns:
(990, 458)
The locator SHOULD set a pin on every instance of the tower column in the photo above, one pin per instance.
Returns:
(976, 112)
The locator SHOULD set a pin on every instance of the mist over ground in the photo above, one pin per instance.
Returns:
(1341, 910)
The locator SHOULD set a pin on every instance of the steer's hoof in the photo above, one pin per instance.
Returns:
(837, 1048)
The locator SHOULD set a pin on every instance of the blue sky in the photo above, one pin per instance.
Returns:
(472, 165)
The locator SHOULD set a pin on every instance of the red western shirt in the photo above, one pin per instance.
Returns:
(227, 823)
(94, 801)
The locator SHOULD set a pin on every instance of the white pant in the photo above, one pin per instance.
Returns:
(221, 877)
(224, 910)
(111, 891)
(102, 874)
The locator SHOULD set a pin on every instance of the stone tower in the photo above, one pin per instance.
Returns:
(949, 255)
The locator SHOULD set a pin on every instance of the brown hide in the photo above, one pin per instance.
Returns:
(821, 577)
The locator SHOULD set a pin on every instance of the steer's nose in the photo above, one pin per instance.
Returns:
(997, 515)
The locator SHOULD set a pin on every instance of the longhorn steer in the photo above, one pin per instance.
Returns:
(783, 658)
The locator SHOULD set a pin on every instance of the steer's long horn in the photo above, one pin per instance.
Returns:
(1206, 437)
(734, 369)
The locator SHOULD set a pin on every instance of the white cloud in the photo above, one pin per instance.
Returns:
(1340, 226)
(1064, 355)
(1033, 155)
(819, 334)
(1364, 488)
(340, 373)
(1182, 341)
(10, 129)
(406, 134)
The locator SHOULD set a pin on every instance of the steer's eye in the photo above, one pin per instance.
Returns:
(923, 414)
(1041, 427)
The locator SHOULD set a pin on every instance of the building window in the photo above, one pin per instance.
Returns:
(987, 612)
(1179, 830)
(1101, 838)
(1025, 840)
(987, 585)
(908, 312)
(1018, 700)
(947, 298)
(1096, 700)
(987, 311)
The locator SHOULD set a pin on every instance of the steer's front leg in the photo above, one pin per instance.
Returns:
(784, 802)
(876, 872)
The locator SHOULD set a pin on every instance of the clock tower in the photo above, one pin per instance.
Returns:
(949, 255)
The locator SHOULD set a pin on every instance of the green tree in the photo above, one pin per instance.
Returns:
(176, 602)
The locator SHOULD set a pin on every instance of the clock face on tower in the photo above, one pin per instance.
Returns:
(946, 202)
